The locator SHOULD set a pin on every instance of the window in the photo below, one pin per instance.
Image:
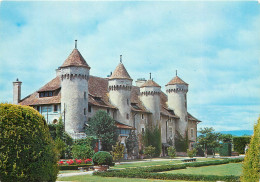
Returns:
(127, 116)
(41, 94)
(50, 94)
(107, 111)
(55, 109)
(38, 108)
(85, 95)
(142, 130)
(127, 101)
(191, 132)
(142, 116)
(46, 108)
(170, 132)
(89, 108)
(46, 94)
(85, 111)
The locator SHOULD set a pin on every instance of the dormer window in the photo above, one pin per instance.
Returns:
(46, 94)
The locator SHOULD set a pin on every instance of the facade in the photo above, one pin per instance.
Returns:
(76, 96)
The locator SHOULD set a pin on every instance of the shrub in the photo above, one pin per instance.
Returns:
(171, 152)
(73, 167)
(82, 151)
(251, 165)
(102, 158)
(26, 148)
(118, 151)
(191, 153)
(149, 151)
(240, 143)
(60, 147)
(152, 136)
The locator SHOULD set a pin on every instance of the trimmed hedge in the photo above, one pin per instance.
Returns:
(149, 172)
(166, 176)
(240, 143)
(73, 167)
(27, 150)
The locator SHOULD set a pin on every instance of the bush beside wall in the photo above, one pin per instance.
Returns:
(240, 143)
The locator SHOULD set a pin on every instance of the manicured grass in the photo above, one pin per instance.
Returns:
(155, 163)
(90, 178)
(221, 170)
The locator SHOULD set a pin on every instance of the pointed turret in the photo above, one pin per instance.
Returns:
(75, 59)
(177, 90)
(150, 97)
(74, 75)
(120, 85)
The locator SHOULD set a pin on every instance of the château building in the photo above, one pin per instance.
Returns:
(76, 96)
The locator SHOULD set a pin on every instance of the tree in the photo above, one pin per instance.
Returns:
(251, 165)
(104, 128)
(131, 143)
(152, 136)
(149, 151)
(26, 148)
(118, 151)
(208, 140)
(171, 152)
(82, 152)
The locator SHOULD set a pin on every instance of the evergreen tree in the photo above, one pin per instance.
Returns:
(131, 143)
(171, 152)
(118, 151)
(251, 165)
(104, 128)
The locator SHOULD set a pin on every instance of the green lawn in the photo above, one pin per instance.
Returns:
(155, 163)
(90, 178)
(224, 169)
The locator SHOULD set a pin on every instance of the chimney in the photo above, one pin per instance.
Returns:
(140, 81)
(17, 91)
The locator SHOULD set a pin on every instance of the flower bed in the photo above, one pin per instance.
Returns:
(74, 164)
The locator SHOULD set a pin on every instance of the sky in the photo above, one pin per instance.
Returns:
(214, 45)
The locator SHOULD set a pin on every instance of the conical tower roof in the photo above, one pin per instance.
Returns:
(120, 72)
(177, 80)
(150, 83)
(75, 59)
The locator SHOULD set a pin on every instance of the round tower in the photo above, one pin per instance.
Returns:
(120, 85)
(74, 75)
(150, 96)
(177, 90)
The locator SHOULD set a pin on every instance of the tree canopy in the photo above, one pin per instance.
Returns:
(102, 126)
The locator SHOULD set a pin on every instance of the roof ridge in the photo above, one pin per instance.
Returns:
(120, 72)
(75, 59)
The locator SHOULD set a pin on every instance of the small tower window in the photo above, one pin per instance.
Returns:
(142, 116)
(191, 132)
(142, 130)
(127, 116)
(107, 111)
(55, 109)
(85, 111)
(127, 101)
(85, 95)
(89, 108)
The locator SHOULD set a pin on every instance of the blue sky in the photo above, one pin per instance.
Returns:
(215, 46)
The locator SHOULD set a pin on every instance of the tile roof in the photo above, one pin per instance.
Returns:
(192, 118)
(123, 126)
(98, 96)
(150, 83)
(51, 86)
(120, 72)
(176, 80)
(75, 59)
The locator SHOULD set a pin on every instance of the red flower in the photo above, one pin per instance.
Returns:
(61, 162)
(88, 160)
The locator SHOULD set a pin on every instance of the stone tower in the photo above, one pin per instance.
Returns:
(150, 96)
(74, 75)
(17, 91)
(177, 90)
(120, 85)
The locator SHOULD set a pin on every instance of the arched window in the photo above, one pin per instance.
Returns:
(55, 121)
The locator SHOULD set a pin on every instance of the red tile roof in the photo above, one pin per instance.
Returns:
(150, 83)
(124, 126)
(192, 118)
(176, 80)
(120, 72)
(75, 59)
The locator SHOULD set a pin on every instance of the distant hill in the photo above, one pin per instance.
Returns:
(238, 132)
